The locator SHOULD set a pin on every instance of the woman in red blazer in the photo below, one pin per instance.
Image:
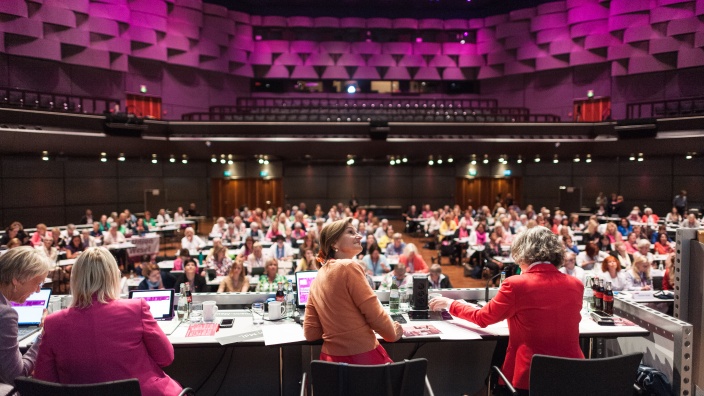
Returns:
(102, 338)
(542, 306)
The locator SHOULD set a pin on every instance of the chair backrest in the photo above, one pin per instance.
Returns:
(612, 376)
(405, 378)
(35, 387)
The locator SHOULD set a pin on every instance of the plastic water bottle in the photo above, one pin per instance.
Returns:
(394, 297)
(588, 299)
(503, 278)
(182, 305)
(290, 301)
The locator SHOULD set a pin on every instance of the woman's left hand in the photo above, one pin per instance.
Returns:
(440, 303)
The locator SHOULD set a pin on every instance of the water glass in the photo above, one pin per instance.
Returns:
(258, 313)
(404, 302)
(196, 313)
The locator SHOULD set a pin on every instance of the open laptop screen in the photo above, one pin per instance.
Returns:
(161, 302)
(29, 313)
(303, 281)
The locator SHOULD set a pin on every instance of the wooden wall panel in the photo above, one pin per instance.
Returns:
(226, 195)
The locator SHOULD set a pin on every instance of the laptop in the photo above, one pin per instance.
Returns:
(304, 279)
(29, 313)
(161, 305)
(258, 271)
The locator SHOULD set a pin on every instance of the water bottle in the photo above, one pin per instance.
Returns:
(290, 299)
(503, 278)
(182, 307)
(588, 299)
(394, 297)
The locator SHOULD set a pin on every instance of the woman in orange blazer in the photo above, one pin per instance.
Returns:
(102, 338)
(542, 306)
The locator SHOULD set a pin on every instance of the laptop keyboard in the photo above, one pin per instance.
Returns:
(24, 332)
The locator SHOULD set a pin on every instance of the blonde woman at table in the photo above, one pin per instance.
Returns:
(22, 272)
(102, 337)
(413, 261)
(611, 272)
(342, 309)
(620, 252)
(113, 236)
(190, 274)
(446, 227)
(219, 262)
(644, 251)
(235, 281)
(638, 278)
(269, 281)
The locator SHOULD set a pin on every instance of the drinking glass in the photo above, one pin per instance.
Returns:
(196, 313)
(404, 302)
(258, 313)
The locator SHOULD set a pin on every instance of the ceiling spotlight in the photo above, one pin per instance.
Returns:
(537, 158)
(690, 155)
(405, 160)
(184, 159)
(450, 160)
(45, 156)
(519, 160)
(230, 161)
(555, 159)
(103, 157)
(213, 159)
(439, 159)
(392, 160)
(430, 161)
(486, 159)
(588, 159)
(350, 159)
(222, 159)
(398, 160)
(172, 159)
(154, 159)
(576, 158)
(474, 159)
(121, 157)
(261, 161)
(632, 157)
(640, 157)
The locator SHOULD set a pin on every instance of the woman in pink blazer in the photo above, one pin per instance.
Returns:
(102, 338)
(542, 306)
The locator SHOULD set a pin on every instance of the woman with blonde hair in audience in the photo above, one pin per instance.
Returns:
(413, 260)
(673, 217)
(22, 272)
(307, 262)
(342, 309)
(270, 279)
(130, 342)
(612, 232)
(591, 234)
(611, 272)
(638, 277)
(219, 261)
(644, 251)
(235, 281)
(446, 227)
(622, 255)
(39, 235)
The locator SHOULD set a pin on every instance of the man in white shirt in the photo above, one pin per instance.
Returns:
(255, 232)
(191, 241)
(280, 250)
(399, 276)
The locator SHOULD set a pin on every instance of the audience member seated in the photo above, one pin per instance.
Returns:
(591, 234)
(256, 258)
(22, 272)
(386, 239)
(74, 248)
(624, 258)
(569, 267)
(612, 232)
(254, 232)
(247, 248)
(396, 247)
(673, 217)
(180, 215)
(14, 230)
(48, 249)
(163, 217)
(638, 277)
(140, 228)
(662, 246)
(183, 256)
(438, 280)
(131, 344)
(569, 245)
(219, 229)
(39, 235)
(308, 262)
(281, 250)
(412, 260)
(690, 222)
(219, 262)
(611, 272)
(269, 281)
(374, 261)
(237, 230)
(649, 218)
(235, 281)
(382, 229)
(113, 236)
(97, 233)
(625, 227)
(644, 251)
(69, 233)
(398, 276)
(190, 274)
(589, 257)
(447, 227)
(87, 240)
(298, 233)
(149, 221)
(192, 211)
(152, 278)
(191, 241)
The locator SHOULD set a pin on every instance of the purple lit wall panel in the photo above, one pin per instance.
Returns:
(318, 59)
(499, 57)
(351, 60)
(699, 7)
(220, 24)
(664, 14)
(141, 35)
(530, 51)
(256, 20)
(619, 7)
(490, 72)
(519, 15)
(623, 51)
(36, 74)
(699, 39)
(404, 23)
(100, 25)
(550, 62)
(620, 22)
(112, 44)
(486, 34)
(683, 26)
(427, 73)
(548, 35)
(335, 47)
(67, 36)
(273, 21)
(88, 57)
(518, 42)
(470, 61)
(214, 9)
(457, 48)
(277, 71)
(288, 60)
(476, 23)
(431, 24)
(55, 16)
(586, 57)
(208, 48)
(243, 43)
(277, 46)
(36, 48)
(353, 23)
(89, 81)
(187, 15)
(237, 56)
(666, 44)
(304, 73)
(326, 22)
(367, 48)
(619, 68)
(455, 24)
(453, 73)
(412, 61)
(397, 48)
(509, 29)
(176, 41)
(585, 29)
(335, 73)
(685, 83)
(366, 73)
(561, 47)
(600, 41)
(14, 7)
(647, 64)
(75, 5)
(548, 21)
(639, 33)
(519, 67)
(194, 4)
(182, 28)
(110, 11)
(426, 48)
(549, 8)
(382, 60)
(495, 20)
(397, 73)
(242, 70)
(303, 47)
(217, 36)
(442, 61)
(378, 23)
(239, 17)
(260, 58)
(587, 12)
(149, 21)
(23, 27)
(190, 58)
(153, 52)
(690, 57)
(485, 47)
(156, 7)
(300, 21)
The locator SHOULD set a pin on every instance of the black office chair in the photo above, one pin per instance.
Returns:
(550, 375)
(407, 378)
(26, 386)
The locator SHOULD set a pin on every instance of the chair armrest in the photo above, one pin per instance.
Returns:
(506, 381)
(304, 385)
(428, 388)
(187, 392)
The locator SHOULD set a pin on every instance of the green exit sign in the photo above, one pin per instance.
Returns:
(227, 173)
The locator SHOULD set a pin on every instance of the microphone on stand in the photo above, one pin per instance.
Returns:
(486, 290)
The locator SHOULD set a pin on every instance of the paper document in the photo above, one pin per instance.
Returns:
(224, 338)
(283, 334)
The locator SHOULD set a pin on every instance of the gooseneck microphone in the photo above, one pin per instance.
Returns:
(486, 290)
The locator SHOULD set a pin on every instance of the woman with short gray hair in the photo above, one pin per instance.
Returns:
(542, 306)
(22, 272)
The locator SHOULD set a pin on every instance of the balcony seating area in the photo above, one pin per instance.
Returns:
(34, 100)
(684, 107)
